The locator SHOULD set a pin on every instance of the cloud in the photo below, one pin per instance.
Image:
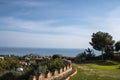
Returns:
(14, 23)
(54, 33)
(26, 3)
(109, 23)
(11, 24)
(43, 34)
(29, 3)
(113, 23)
(10, 38)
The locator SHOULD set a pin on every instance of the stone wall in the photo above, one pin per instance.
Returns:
(52, 75)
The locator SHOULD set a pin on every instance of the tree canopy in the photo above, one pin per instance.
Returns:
(102, 41)
(117, 46)
(55, 56)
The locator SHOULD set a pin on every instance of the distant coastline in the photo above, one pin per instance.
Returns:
(40, 51)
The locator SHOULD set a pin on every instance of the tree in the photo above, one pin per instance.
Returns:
(89, 54)
(117, 46)
(109, 49)
(109, 52)
(89, 51)
(55, 56)
(81, 57)
(101, 40)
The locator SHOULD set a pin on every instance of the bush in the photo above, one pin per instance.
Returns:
(9, 63)
(8, 76)
(56, 64)
(80, 57)
(55, 56)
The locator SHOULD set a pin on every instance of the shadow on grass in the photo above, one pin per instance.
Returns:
(101, 62)
(107, 63)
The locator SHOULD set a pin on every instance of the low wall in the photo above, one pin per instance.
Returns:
(72, 73)
(55, 75)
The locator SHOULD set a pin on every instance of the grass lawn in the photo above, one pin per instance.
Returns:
(108, 70)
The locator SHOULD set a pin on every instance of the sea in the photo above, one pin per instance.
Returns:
(40, 51)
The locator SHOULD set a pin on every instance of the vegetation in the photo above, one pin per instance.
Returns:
(56, 56)
(8, 66)
(91, 67)
(56, 64)
(117, 46)
(102, 41)
(87, 55)
(98, 70)
(90, 54)
(9, 63)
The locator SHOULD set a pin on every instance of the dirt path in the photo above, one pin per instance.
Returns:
(84, 67)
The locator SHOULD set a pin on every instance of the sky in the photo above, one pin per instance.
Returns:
(57, 23)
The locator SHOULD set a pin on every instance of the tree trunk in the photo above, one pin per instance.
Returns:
(102, 55)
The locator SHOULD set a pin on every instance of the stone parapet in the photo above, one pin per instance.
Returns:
(52, 75)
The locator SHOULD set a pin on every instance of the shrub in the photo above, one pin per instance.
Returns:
(8, 76)
(9, 63)
(56, 64)
(56, 56)
(42, 68)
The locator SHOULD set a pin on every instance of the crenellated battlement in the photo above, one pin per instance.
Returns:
(54, 75)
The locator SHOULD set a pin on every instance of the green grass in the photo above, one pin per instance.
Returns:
(104, 67)
(97, 71)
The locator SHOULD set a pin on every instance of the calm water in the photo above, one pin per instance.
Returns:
(40, 51)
